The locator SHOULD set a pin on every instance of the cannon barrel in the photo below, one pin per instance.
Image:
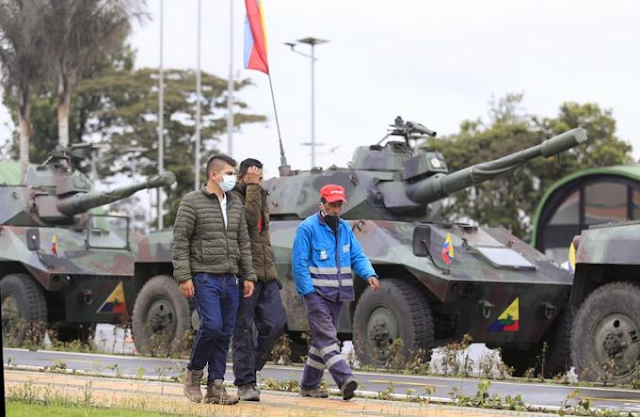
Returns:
(80, 203)
(440, 186)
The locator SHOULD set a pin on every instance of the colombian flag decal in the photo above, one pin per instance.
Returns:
(447, 250)
(509, 320)
(54, 245)
(115, 303)
(572, 258)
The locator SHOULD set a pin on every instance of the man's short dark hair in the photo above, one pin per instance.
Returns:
(248, 163)
(214, 163)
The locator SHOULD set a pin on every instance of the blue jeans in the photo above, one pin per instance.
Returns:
(216, 299)
(264, 309)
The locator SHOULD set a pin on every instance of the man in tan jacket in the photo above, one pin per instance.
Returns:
(211, 253)
(264, 308)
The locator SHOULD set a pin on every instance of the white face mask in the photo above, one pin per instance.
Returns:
(228, 182)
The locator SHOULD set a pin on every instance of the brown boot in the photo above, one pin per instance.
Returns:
(192, 381)
(216, 394)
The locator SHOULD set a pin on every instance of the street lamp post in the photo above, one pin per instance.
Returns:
(161, 118)
(312, 42)
(198, 104)
(230, 85)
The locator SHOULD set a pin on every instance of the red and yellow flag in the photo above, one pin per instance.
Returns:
(255, 38)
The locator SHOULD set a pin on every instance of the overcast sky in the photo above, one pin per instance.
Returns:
(436, 62)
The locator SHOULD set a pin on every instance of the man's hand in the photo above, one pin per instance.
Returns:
(248, 286)
(187, 289)
(373, 282)
(253, 175)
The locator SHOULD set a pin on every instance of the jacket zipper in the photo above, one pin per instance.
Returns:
(226, 239)
(337, 235)
(264, 248)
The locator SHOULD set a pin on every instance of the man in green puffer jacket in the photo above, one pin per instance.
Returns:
(264, 308)
(211, 248)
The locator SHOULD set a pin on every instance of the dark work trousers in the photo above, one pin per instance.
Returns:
(250, 353)
(216, 300)
(324, 352)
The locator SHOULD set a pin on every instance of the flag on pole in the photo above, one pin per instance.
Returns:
(255, 38)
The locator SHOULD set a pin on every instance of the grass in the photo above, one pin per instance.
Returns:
(19, 409)
(455, 361)
(29, 399)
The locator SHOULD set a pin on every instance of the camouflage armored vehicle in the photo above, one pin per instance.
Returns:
(487, 283)
(606, 292)
(59, 263)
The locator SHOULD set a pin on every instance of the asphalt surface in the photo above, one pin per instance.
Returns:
(543, 395)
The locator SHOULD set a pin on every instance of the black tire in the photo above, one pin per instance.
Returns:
(161, 317)
(398, 310)
(557, 356)
(606, 334)
(24, 310)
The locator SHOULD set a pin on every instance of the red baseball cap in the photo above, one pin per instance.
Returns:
(333, 193)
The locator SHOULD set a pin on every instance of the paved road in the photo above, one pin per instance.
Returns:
(543, 395)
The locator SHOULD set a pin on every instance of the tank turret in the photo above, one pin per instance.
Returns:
(395, 181)
(54, 193)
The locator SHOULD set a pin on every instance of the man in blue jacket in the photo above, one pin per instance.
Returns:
(325, 252)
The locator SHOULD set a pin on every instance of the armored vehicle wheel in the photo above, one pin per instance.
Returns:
(606, 334)
(24, 310)
(161, 317)
(557, 356)
(398, 310)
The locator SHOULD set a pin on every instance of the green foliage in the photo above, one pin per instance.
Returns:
(67, 409)
(289, 385)
(281, 352)
(456, 360)
(115, 106)
(395, 359)
(511, 199)
(20, 333)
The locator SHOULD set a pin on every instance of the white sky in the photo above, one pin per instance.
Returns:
(436, 62)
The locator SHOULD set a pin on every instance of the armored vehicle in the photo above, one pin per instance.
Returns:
(487, 283)
(59, 263)
(606, 293)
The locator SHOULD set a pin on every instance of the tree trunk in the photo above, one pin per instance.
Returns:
(24, 119)
(64, 100)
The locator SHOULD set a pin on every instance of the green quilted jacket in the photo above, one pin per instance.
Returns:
(202, 244)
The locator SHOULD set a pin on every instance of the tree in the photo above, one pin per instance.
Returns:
(81, 32)
(127, 120)
(115, 105)
(511, 200)
(22, 57)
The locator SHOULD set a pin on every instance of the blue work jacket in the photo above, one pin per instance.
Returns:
(323, 262)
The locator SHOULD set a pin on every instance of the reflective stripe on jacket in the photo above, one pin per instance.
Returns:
(323, 263)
